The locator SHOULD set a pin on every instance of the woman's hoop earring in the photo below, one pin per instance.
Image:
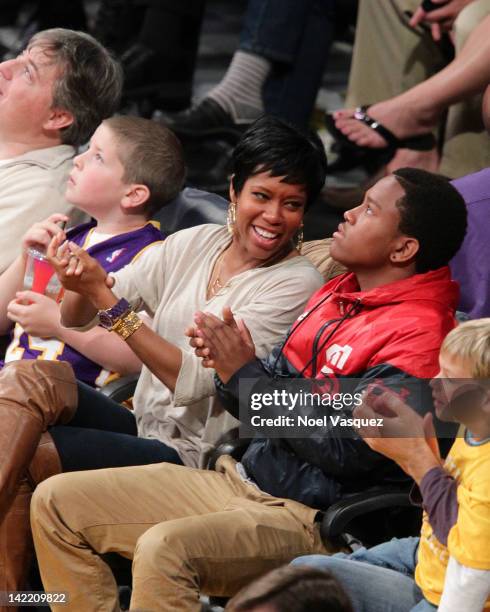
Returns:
(231, 217)
(299, 238)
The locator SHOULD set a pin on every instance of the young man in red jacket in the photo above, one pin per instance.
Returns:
(190, 530)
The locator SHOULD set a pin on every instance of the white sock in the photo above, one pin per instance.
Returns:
(240, 91)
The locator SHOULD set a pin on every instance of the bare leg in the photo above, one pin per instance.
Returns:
(417, 110)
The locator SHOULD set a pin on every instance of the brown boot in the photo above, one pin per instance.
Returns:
(33, 396)
(16, 542)
(16, 547)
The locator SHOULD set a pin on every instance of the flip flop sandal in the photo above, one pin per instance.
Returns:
(348, 158)
(368, 155)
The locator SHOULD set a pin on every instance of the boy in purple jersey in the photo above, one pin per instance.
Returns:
(132, 168)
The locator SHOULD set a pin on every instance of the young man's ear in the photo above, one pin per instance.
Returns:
(406, 248)
(135, 195)
(58, 119)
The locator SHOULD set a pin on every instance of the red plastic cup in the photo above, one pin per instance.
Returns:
(40, 276)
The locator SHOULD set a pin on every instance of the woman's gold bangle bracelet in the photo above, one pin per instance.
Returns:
(127, 325)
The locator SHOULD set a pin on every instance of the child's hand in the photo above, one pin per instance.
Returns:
(391, 427)
(41, 234)
(77, 270)
(36, 313)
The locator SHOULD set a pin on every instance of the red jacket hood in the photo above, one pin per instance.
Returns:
(434, 286)
(347, 331)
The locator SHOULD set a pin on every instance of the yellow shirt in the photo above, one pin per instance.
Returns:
(469, 538)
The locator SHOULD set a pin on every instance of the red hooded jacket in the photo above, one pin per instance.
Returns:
(401, 324)
(393, 332)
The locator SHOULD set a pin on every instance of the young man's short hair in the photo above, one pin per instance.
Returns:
(272, 145)
(433, 212)
(470, 343)
(151, 155)
(293, 589)
(89, 85)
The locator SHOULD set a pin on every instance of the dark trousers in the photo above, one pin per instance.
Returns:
(295, 35)
(103, 434)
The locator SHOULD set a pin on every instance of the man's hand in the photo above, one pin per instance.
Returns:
(441, 19)
(41, 234)
(79, 272)
(405, 437)
(225, 345)
(37, 314)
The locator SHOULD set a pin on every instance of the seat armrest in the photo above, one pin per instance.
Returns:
(340, 514)
(120, 389)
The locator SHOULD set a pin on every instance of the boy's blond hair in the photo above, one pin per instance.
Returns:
(470, 342)
(151, 155)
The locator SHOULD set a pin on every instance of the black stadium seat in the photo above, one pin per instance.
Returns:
(192, 207)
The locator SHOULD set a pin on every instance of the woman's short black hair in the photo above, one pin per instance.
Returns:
(433, 212)
(272, 145)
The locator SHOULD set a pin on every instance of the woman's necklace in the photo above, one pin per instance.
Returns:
(215, 283)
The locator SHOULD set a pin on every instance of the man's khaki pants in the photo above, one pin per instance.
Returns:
(187, 531)
(391, 57)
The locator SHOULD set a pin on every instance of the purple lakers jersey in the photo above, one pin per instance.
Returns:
(112, 254)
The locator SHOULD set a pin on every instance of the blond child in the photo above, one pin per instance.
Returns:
(448, 567)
